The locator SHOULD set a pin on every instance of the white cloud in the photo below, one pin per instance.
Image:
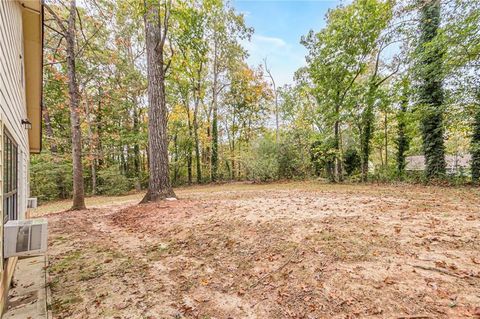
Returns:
(278, 42)
(283, 58)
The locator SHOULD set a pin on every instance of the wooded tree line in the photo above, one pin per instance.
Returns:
(132, 88)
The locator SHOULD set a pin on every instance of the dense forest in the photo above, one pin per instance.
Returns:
(383, 80)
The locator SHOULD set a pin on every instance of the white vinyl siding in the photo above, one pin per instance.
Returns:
(12, 90)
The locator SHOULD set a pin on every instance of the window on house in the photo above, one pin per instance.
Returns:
(10, 178)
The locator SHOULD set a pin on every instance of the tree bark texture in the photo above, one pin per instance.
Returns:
(159, 186)
(78, 186)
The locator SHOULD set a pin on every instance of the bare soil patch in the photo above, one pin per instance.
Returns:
(295, 250)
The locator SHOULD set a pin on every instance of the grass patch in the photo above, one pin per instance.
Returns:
(67, 262)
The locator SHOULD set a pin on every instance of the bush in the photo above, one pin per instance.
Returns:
(51, 177)
(112, 182)
(322, 154)
(262, 162)
(351, 161)
(293, 157)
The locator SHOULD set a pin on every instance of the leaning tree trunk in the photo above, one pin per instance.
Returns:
(159, 183)
(78, 187)
(430, 90)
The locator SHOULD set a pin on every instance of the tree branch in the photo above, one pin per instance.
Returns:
(60, 23)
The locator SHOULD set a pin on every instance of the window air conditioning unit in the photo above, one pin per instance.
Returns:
(25, 237)
(32, 202)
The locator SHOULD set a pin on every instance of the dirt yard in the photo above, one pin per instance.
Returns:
(293, 250)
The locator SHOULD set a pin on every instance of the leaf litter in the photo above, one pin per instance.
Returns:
(287, 250)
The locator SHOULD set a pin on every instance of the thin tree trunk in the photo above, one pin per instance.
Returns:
(277, 134)
(175, 168)
(49, 130)
(338, 160)
(233, 158)
(92, 155)
(189, 154)
(196, 101)
(402, 140)
(54, 149)
(197, 149)
(207, 151)
(366, 135)
(136, 147)
(386, 139)
(99, 129)
(78, 187)
(159, 186)
(214, 157)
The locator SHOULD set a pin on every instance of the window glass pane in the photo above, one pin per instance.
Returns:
(10, 177)
(5, 164)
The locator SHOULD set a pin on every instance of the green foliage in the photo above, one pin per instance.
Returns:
(475, 146)
(351, 161)
(323, 155)
(339, 56)
(112, 182)
(402, 141)
(51, 177)
(430, 90)
(293, 156)
(351, 100)
(262, 162)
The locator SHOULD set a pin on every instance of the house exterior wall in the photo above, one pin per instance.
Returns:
(12, 110)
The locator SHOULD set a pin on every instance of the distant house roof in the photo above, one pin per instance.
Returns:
(454, 162)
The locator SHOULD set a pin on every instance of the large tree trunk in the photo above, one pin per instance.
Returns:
(430, 90)
(78, 187)
(155, 36)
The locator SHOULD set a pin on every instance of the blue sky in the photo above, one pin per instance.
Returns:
(278, 25)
